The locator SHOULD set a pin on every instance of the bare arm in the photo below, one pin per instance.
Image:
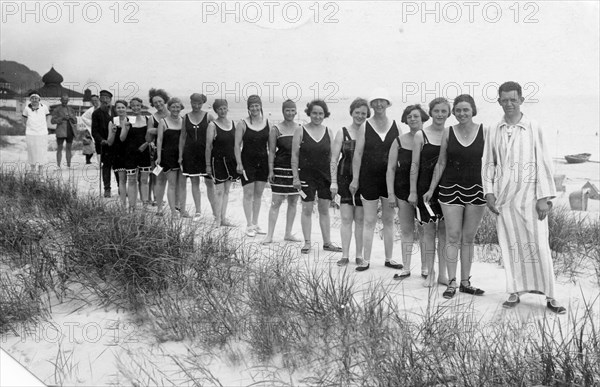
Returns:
(125, 131)
(210, 136)
(182, 138)
(390, 174)
(357, 158)
(414, 167)
(297, 140)
(112, 132)
(239, 142)
(159, 139)
(272, 149)
(439, 168)
(336, 147)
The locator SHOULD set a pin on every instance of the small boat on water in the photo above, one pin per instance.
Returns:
(578, 158)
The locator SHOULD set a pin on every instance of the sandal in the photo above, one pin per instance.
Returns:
(450, 290)
(332, 247)
(512, 301)
(470, 289)
(305, 249)
(343, 262)
(364, 266)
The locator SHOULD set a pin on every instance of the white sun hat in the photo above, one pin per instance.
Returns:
(380, 93)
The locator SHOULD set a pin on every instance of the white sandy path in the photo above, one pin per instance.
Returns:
(95, 357)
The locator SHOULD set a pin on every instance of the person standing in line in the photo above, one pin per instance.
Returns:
(136, 155)
(351, 209)
(520, 197)
(369, 166)
(311, 158)
(398, 183)
(252, 158)
(220, 159)
(458, 172)
(36, 132)
(280, 172)
(120, 124)
(66, 120)
(158, 100)
(101, 117)
(88, 140)
(192, 152)
(167, 149)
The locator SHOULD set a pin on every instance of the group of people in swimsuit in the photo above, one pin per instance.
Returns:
(432, 174)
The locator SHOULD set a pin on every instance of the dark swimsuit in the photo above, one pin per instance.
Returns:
(255, 157)
(135, 159)
(283, 181)
(461, 182)
(314, 160)
(372, 182)
(429, 157)
(223, 155)
(344, 171)
(194, 150)
(402, 177)
(169, 158)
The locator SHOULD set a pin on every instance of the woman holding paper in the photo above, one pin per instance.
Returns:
(460, 191)
(115, 128)
(252, 157)
(220, 159)
(158, 100)
(425, 153)
(167, 147)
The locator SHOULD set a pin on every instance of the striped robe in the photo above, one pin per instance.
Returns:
(518, 171)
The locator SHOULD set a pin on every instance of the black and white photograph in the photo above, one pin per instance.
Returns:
(300, 193)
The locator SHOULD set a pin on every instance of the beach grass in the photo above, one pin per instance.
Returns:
(288, 321)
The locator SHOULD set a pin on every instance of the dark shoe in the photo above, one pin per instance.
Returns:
(305, 250)
(332, 247)
(512, 301)
(553, 306)
(469, 289)
(450, 290)
(365, 266)
(343, 262)
(402, 275)
(391, 265)
(107, 193)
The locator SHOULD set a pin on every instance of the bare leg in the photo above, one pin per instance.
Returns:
(226, 188)
(292, 202)
(210, 194)
(59, 148)
(195, 181)
(453, 215)
(387, 218)
(359, 219)
(172, 190)
(324, 220)
(273, 214)
(144, 186)
(248, 191)
(406, 215)
(219, 190)
(68, 152)
(123, 189)
(428, 249)
(370, 219)
(181, 192)
(132, 188)
(259, 187)
(471, 220)
(159, 190)
(306, 222)
(347, 214)
(441, 250)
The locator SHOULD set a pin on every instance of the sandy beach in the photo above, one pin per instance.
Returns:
(93, 343)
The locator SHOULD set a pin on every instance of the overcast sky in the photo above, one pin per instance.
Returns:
(328, 48)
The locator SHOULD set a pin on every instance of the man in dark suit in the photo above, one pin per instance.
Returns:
(100, 120)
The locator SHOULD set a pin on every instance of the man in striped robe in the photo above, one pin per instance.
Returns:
(518, 185)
